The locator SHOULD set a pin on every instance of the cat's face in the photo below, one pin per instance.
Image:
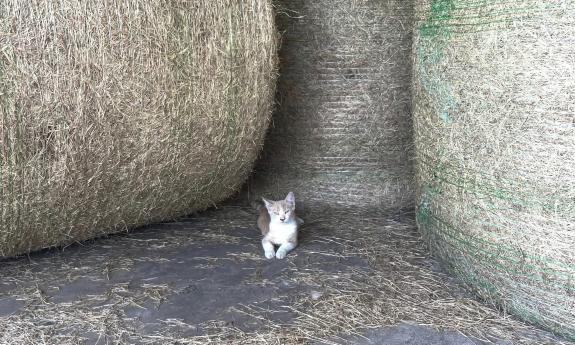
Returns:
(281, 211)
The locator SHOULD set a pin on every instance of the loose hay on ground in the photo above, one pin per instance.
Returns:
(363, 284)
(116, 114)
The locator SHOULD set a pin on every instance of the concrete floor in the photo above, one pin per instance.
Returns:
(204, 280)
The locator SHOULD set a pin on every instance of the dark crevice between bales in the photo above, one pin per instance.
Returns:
(341, 133)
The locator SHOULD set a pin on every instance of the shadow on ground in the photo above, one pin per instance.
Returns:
(204, 280)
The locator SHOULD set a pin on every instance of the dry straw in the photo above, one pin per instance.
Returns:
(342, 130)
(363, 283)
(115, 114)
(495, 147)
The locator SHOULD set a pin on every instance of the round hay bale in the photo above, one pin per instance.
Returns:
(116, 114)
(341, 133)
(495, 150)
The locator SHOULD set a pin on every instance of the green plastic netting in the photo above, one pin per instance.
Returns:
(495, 150)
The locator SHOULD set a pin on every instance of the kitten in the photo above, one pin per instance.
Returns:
(279, 225)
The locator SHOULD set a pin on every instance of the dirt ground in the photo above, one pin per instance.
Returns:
(357, 278)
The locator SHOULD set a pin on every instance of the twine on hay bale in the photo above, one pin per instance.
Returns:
(341, 133)
(115, 114)
(495, 146)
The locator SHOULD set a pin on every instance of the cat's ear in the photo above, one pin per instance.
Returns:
(290, 198)
(267, 202)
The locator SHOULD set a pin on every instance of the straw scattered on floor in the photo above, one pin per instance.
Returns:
(353, 271)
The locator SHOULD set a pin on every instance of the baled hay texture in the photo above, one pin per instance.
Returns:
(495, 142)
(115, 114)
(342, 130)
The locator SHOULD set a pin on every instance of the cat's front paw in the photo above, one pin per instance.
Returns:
(281, 254)
(270, 254)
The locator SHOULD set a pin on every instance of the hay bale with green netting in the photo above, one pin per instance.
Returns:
(116, 114)
(495, 147)
(342, 130)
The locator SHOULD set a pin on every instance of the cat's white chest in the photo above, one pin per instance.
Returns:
(282, 232)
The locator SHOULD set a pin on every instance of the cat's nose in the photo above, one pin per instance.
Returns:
(282, 219)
